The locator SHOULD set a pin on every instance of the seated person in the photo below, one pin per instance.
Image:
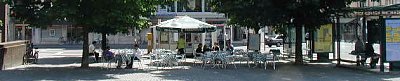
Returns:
(199, 49)
(136, 52)
(206, 49)
(215, 47)
(229, 48)
(108, 55)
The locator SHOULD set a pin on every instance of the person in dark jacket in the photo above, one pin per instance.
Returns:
(206, 49)
(370, 53)
(215, 47)
(199, 48)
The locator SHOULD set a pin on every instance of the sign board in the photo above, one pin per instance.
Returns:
(392, 27)
(254, 42)
(164, 37)
(324, 42)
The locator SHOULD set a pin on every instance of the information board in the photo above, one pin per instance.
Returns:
(324, 42)
(392, 39)
(254, 42)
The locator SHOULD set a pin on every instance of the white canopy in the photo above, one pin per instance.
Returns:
(185, 24)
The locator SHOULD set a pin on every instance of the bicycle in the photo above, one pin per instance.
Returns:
(31, 55)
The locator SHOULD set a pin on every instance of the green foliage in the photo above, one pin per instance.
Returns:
(106, 16)
(259, 13)
(103, 16)
(278, 13)
(34, 12)
(254, 13)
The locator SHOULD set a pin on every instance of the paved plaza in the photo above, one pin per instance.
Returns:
(63, 65)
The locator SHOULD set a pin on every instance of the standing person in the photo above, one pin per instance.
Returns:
(181, 45)
(92, 51)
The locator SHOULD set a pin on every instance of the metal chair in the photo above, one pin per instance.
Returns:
(207, 58)
(197, 57)
(271, 58)
(277, 53)
(240, 55)
(229, 60)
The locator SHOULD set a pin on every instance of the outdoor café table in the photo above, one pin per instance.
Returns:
(168, 59)
(125, 55)
(259, 58)
(164, 57)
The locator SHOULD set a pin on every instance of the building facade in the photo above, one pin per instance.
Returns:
(199, 9)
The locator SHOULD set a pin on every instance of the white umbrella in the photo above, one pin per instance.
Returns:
(185, 24)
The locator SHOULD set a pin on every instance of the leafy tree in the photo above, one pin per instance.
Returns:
(301, 13)
(34, 12)
(254, 13)
(103, 16)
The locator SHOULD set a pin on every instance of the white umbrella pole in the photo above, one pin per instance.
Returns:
(203, 35)
(169, 41)
(154, 38)
(203, 38)
(224, 35)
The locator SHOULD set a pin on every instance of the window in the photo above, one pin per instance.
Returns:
(52, 32)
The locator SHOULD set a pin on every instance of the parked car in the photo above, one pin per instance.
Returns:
(274, 40)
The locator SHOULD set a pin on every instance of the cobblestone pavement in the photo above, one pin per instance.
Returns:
(63, 65)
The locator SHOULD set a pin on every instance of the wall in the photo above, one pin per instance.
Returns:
(11, 54)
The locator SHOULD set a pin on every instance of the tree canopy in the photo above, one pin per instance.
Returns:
(256, 13)
(103, 16)
(97, 15)
(310, 14)
(33, 12)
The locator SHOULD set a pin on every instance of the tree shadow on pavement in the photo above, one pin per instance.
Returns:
(67, 73)
(59, 60)
(67, 69)
(284, 72)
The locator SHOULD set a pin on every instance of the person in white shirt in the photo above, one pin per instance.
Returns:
(92, 51)
(136, 53)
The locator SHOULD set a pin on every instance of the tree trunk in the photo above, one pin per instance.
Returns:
(85, 54)
(256, 29)
(298, 50)
(103, 41)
